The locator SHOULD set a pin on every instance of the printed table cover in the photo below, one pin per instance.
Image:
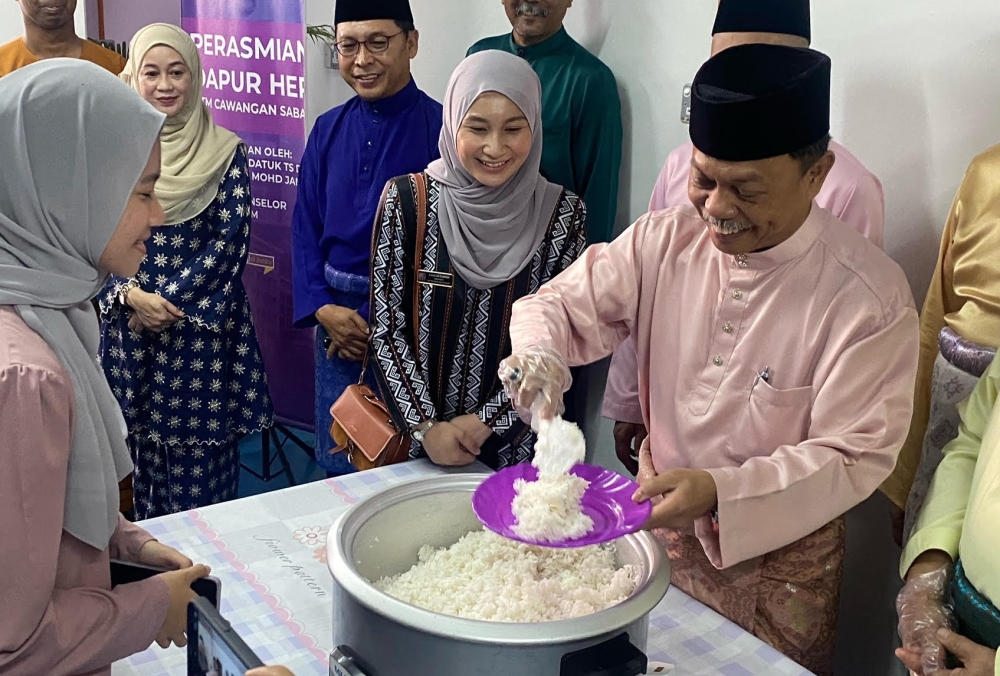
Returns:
(269, 551)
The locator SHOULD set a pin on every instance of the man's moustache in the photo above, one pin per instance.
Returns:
(528, 9)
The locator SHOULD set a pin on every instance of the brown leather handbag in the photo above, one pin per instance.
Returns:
(363, 428)
(362, 425)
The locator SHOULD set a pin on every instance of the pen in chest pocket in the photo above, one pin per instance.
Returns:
(764, 374)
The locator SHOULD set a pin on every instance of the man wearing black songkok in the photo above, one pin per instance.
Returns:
(389, 129)
(851, 192)
(776, 346)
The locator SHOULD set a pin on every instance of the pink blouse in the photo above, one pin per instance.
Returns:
(59, 614)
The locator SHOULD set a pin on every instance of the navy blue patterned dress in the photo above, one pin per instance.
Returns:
(191, 392)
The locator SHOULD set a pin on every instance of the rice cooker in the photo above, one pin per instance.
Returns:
(378, 635)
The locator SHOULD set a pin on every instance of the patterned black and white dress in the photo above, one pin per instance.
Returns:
(463, 331)
(191, 392)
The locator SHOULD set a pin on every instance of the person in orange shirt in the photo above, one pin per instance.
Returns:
(49, 33)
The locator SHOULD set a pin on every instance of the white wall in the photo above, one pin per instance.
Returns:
(12, 24)
(325, 88)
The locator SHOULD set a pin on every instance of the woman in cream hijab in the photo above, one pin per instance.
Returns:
(178, 341)
(495, 231)
(80, 159)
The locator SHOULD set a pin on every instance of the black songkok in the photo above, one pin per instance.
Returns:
(788, 17)
(757, 101)
(372, 10)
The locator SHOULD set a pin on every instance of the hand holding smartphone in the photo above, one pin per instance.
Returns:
(214, 649)
(127, 572)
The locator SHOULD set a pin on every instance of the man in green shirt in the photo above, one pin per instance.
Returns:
(581, 111)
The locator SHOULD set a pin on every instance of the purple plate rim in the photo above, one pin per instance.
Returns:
(586, 471)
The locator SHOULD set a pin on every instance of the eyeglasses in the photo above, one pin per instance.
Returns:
(376, 45)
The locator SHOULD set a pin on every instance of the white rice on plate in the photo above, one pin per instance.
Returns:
(550, 509)
(487, 577)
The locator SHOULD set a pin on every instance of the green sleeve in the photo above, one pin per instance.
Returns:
(597, 153)
(940, 523)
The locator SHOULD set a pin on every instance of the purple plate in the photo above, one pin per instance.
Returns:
(608, 501)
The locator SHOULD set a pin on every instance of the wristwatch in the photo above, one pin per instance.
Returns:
(418, 432)
(124, 289)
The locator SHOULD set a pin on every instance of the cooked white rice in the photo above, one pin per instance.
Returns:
(560, 446)
(487, 577)
(548, 510)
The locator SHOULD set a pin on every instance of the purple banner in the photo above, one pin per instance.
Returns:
(253, 55)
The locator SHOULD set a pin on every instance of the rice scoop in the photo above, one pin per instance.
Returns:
(549, 509)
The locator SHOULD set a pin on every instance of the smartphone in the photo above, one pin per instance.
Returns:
(214, 649)
(125, 572)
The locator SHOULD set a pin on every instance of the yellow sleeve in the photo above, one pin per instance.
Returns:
(964, 295)
(972, 298)
(940, 522)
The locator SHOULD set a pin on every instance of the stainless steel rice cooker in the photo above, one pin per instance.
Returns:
(378, 635)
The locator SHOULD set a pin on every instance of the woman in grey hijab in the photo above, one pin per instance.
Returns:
(495, 230)
(81, 156)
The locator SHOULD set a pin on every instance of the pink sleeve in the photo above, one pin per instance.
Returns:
(658, 200)
(621, 397)
(588, 310)
(860, 417)
(45, 629)
(864, 210)
(128, 540)
(671, 185)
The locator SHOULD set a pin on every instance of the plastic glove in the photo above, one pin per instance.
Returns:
(535, 380)
(922, 609)
(646, 472)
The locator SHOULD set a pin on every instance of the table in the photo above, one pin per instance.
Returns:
(269, 551)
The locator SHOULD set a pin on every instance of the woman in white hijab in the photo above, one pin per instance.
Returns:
(179, 346)
(495, 230)
(80, 159)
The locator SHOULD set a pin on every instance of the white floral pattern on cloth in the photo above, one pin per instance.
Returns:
(202, 380)
(950, 386)
(311, 536)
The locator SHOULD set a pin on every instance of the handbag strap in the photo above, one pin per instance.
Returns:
(418, 256)
(420, 201)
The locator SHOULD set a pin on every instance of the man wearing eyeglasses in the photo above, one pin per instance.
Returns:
(390, 128)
